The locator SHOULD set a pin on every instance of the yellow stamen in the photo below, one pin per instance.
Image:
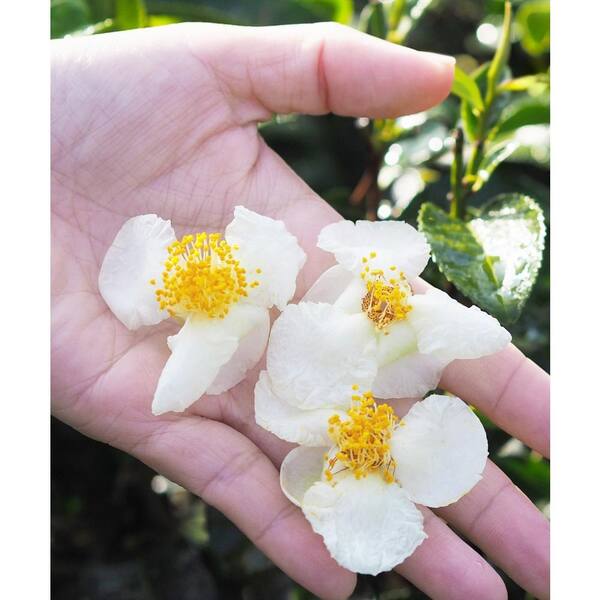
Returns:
(363, 440)
(201, 276)
(386, 300)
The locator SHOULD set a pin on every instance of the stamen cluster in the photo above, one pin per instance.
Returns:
(201, 276)
(386, 300)
(363, 439)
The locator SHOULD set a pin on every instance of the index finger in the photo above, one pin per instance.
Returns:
(509, 389)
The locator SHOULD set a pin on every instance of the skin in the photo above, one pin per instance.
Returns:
(165, 121)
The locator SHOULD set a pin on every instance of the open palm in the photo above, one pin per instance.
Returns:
(165, 121)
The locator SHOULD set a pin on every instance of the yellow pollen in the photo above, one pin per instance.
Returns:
(386, 300)
(363, 440)
(201, 276)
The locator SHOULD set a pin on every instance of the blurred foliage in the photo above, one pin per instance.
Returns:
(474, 168)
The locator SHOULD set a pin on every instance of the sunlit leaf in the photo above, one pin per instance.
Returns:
(130, 14)
(534, 84)
(493, 259)
(502, 53)
(534, 21)
(527, 110)
(495, 156)
(464, 87)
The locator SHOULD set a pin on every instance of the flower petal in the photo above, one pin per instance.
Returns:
(317, 352)
(267, 245)
(368, 525)
(449, 330)
(440, 452)
(395, 243)
(199, 350)
(249, 352)
(300, 469)
(137, 255)
(307, 427)
(330, 285)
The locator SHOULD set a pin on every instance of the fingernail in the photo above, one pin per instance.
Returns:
(442, 59)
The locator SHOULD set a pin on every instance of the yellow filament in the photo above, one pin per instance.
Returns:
(386, 300)
(201, 275)
(363, 439)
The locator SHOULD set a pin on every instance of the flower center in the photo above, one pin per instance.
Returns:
(386, 299)
(363, 439)
(201, 276)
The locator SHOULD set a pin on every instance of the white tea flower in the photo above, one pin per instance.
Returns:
(362, 471)
(362, 322)
(218, 288)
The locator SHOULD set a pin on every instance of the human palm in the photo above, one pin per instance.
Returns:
(165, 121)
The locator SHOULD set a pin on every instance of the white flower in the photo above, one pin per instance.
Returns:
(220, 289)
(360, 471)
(362, 322)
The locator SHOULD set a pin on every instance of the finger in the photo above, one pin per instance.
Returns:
(445, 567)
(322, 67)
(509, 389)
(497, 517)
(229, 472)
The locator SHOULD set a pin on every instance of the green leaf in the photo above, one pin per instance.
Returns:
(534, 21)
(525, 111)
(496, 156)
(67, 16)
(372, 20)
(493, 259)
(535, 84)
(130, 14)
(464, 87)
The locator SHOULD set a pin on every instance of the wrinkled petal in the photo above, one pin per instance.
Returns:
(329, 286)
(137, 255)
(267, 245)
(411, 376)
(300, 469)
(318, 352)
(449, 330)
(440, 452)
(395, 243)
(368, 525)
(273, 413)
(249, 352)
(198, 352)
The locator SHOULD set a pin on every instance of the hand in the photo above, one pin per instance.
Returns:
(165, 121)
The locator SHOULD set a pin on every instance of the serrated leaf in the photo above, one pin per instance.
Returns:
(464, 87)
(493, 259)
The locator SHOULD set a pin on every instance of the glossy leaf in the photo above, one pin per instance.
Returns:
(535, 84)
(534, 21)
(495, 157)
(464, 87)
(525, 111)
(493, 259)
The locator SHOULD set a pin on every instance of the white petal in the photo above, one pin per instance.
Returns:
(395, 242)
(440, 452)
(317, 353)
(199, 350)
(266, 244)
(300, 469)
(273, 413)
(411, 376)
(368, 525)
(137, 255)
(449, 330)
(328, 287)
(249, 352)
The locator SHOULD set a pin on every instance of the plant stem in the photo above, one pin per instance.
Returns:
(457, 203)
